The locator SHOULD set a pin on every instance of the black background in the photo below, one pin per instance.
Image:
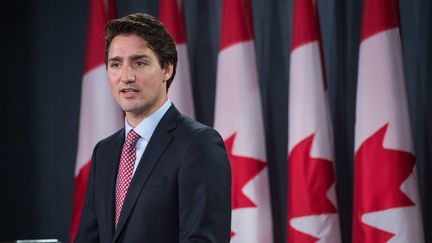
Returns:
(42, 65)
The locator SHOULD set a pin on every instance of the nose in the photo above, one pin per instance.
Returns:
(128, 74)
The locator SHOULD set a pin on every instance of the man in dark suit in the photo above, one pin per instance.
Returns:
(163, 177)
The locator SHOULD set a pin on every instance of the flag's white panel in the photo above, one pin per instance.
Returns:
(254, 225)
(381, 89)
(381, 100)
(308, 106)
(309, 114)
(238, 110)
(238, 102)
(100, 115)
(325, 227)
(180, 91)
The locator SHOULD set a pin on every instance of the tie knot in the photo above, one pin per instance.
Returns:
(132, 137)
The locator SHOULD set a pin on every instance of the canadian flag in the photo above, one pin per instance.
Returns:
(312, 205)
(180, 91)
(238, 118)
(99, 114)
(386, 198)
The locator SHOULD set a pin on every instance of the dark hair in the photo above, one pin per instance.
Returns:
(151, 30)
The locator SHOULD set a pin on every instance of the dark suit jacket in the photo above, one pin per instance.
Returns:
(180, 192)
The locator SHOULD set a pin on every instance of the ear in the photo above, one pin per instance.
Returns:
(168, 71)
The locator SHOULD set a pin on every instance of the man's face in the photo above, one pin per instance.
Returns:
(137, 81)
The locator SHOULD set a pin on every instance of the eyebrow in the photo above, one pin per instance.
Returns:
(117, 58)
(136, 57)
(133, 57)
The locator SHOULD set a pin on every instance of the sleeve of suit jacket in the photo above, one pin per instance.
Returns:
(205, 190)
(88, 227)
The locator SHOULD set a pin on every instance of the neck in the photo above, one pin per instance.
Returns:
(134, 118)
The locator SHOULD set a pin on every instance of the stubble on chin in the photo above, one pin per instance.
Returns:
(134, 108)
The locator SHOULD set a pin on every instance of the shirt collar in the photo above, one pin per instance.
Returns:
(147, 126)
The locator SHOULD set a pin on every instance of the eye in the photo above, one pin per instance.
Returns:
(114, 65)
(140, 64)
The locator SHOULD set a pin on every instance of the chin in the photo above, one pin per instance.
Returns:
(135, 109)
(129, 109)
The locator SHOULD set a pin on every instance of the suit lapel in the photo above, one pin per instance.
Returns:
(154, 150)
(114, 151)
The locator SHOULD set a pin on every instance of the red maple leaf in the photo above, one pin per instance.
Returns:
(309, 180)
(244, 169)
(379, 173)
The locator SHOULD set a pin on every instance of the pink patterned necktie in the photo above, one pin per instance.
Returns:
(124, 176)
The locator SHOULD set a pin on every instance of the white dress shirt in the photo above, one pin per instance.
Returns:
(145, 129)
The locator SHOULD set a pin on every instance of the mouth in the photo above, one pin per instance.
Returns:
(129, 92)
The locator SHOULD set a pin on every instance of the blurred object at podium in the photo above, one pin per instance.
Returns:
(33, 241)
